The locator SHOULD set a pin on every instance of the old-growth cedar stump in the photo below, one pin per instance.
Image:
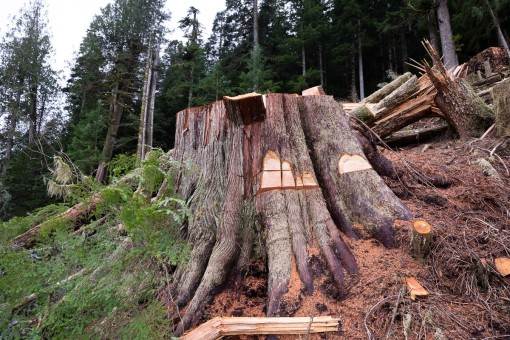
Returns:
(295, 171)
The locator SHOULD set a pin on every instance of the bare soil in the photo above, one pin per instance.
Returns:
(469, 211)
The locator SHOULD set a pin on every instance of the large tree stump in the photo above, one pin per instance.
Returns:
(297, 169)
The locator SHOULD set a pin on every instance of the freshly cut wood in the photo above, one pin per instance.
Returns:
(250, 105)
(387, 89)
(502, 265)
(351, 163)
(229, 326)
(415, 289)
(462, 108)
(421, 240)
(314, 91)
(501, 96)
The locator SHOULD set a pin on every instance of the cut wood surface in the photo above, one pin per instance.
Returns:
(230, 326)
(502, 265)
(351, 163)
(421, 240)
(314, 91)
(250, 105)
(415, 289)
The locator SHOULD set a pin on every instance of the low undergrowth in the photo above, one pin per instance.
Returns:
(101, 278)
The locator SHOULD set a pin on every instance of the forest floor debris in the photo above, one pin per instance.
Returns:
(468, 297)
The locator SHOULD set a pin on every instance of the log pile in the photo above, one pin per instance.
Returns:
(463, 98)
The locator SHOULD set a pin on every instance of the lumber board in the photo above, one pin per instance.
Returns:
(228, 326)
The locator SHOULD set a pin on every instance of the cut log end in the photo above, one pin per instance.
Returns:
(421, 240)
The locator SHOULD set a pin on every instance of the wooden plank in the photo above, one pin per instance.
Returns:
(415, 289)
(228, 326)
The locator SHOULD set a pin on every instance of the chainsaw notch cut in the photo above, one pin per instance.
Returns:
(351, 163)
(278, 175)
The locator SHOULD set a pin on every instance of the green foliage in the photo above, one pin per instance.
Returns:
(105, 281)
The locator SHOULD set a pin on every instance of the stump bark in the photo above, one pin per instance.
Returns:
(290, 164)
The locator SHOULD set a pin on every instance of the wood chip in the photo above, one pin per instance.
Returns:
(503, 265)
(415, 289)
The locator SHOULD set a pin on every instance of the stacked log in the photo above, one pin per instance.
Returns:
(462, 97)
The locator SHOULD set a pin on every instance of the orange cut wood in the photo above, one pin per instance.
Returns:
(314, 91)
(503, 265)
(415, 289)
(299, 182)
(308, 180)
(351, 163)
(422, 227)
(271, 162)
(288, 181)
(271, 180)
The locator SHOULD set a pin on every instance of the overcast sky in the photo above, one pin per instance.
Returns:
(69, 20)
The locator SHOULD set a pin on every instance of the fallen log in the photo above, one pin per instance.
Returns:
(414, 136)
(71, 215)
(387, 89)
(230, 326)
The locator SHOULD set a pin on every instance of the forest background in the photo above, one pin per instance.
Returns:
(349, 47)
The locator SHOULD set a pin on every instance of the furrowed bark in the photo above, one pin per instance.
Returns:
(366, 198)
(259, 145)
(462, 108)
(502, 108)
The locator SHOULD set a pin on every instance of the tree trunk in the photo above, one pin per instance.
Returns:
(353, 93)
(501, 37)
(142, 128)
(445, 31)
(360, 65)
(321, 67)
(462, 108)
(278, 158)
(433, 29)
(116, 109)
(502, 108)
(32, 117)
(303, 59)
(11, 131)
